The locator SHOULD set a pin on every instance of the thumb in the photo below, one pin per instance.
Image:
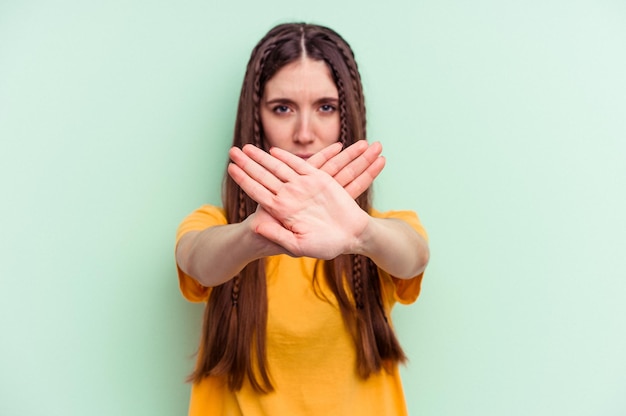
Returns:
(278, 235)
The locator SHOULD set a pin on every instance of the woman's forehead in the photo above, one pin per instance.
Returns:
(302, 77)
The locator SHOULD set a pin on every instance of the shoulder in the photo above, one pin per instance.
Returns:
(208, 212)
(202, 218)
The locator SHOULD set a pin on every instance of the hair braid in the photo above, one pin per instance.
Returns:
(343, 132)
(357, 282)
(357, 86)
(343, 129)
(242, 205)
(235, 291)
(258, 92)
(242, 214)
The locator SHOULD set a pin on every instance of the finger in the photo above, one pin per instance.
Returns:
(324, 155)
(299, 165)
(365, 180)
(250, 186)
(358, 165)
(254, 170)
(277, 167)
(279, 235)
(335, 164)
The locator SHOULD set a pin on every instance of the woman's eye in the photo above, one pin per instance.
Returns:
(327, 108)
(281, 109)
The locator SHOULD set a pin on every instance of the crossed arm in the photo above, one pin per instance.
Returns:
(306, 208)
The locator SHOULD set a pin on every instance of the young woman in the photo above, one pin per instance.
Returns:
(298, 271)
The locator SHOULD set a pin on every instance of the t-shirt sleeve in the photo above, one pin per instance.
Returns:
(201, 219)
(405, 291)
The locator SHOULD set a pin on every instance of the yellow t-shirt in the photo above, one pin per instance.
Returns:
(311, 357)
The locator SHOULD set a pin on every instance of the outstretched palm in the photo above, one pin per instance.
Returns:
(311, 212)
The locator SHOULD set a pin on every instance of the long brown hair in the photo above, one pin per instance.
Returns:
(234, 331)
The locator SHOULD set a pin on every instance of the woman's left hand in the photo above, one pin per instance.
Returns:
(319, 217)
(354, 168)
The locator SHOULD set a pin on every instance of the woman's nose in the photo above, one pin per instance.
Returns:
(304, 130)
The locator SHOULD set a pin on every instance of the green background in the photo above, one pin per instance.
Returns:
(504, 126)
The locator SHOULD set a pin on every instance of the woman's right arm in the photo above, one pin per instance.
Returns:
(217, 254)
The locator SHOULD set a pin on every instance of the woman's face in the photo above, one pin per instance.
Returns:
(299, 108)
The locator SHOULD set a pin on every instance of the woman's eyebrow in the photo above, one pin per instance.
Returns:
(282, 100)
(279, 100)
(327, 100)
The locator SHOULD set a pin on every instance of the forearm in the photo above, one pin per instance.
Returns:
(217, 254)
(394, 246)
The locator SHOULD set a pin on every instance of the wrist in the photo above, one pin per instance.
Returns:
(364, 240)
(259, 245)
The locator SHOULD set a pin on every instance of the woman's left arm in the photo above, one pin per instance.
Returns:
(394, 246)
(390, 242)
(317, 217)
